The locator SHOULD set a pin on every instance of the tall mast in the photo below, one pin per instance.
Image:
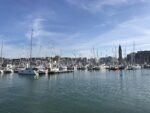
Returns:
(133, 52)
(31, 46)
(125, 54)
(2, 53)
(115, 52)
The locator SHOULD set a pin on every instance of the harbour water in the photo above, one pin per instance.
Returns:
(78, 92)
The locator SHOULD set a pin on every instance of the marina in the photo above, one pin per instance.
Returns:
(82, 91)
(57, 64)
(74, 56)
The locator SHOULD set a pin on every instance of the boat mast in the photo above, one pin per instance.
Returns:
(2, 53)
(133, 52)
(31, 46)
(125, 55)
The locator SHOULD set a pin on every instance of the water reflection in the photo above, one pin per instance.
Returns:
(36, 77)
(121, 73)
(78, 92)
(121, 80)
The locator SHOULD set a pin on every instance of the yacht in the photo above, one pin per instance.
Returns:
(17, 69)
(42, 70)
(54, 69)
(114, 68)
(96, 68)
(133, 67)
(136, 66)
(103, 67)
(81, 68)
(63, 68)
(29, 70)
(8, 69)
(146, 66)
(122, 67)
(1, 70)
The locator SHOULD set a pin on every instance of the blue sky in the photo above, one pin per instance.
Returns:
(68, 27)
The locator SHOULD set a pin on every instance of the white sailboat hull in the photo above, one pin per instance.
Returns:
(1, 71)
(27, 72)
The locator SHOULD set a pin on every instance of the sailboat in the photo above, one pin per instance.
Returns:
(8, 69)
(29, 70)
(133, 65)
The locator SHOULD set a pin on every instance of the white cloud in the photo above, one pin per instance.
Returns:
(125, 33)
(52, 43)
(98, 5)
(136, 30)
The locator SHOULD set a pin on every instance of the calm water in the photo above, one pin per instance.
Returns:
(79, 92)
